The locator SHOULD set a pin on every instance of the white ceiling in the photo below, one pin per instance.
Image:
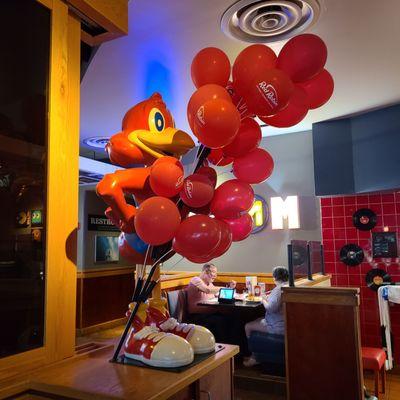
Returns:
(362, 36)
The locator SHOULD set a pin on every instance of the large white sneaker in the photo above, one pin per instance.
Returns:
(158, 349)
(200, 338)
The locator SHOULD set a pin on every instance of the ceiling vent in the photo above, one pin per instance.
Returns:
(268, 21)
(97, 142)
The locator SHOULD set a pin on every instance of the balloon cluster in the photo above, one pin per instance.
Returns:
(280, 90)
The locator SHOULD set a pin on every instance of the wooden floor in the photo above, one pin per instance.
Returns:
(250, 384)
(392, 386)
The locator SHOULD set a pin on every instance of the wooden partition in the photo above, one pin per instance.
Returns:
(61, 220)
(323, 346)
(103, 295)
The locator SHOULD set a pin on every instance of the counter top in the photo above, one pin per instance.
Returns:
(92, 376)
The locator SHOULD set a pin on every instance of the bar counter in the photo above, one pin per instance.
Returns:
(92, 376)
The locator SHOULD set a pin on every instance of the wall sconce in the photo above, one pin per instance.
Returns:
(285, 210)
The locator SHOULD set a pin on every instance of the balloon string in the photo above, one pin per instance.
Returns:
(143, 269)
(219, 161)
(194, 160)
(174, 265)
(198, 155)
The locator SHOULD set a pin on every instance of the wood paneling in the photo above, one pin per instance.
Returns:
(62, 203)
(110, 15)
(104, 299)
(218, 385)
(62, 181)
(95, 377)
(323, 347)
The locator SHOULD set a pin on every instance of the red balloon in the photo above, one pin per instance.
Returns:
(250, 62)
(210, 65)
(197, 191)
(216, 157)
(166, 177)
(201, 210)
(269, 92)
(240, 227)
(232, 199)
(210, 173)
(247, 139)
(197, 236)
(216, 123)
(201, 96)
(226, 239)
(129, 253)
(293, 113)
(254, 167)
(319, 89)
(303, 57)
(238, 101)
(199, 260)
(157, 220)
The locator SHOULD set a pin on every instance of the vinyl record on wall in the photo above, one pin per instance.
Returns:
(351, 254)
(364, 219)
(377, 277)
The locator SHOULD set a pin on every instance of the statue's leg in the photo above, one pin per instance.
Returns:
(112, 188)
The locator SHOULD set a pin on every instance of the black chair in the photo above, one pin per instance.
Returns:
(177, 304)
(269, 350)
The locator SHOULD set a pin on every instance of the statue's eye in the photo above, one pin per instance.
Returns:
(156, 120)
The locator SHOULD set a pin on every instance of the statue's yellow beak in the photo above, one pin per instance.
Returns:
(169, 142)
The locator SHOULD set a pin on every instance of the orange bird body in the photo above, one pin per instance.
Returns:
(148, 133)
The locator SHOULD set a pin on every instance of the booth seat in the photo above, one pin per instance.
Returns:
(269, 350)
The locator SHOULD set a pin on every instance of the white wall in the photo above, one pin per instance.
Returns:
(293, 175)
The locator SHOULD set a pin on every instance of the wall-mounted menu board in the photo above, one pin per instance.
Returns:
(384, 244)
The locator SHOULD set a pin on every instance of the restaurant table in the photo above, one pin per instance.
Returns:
(236, 304)
(246, 311)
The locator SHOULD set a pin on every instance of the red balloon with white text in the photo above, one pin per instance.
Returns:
(269, 92)
(293, 113)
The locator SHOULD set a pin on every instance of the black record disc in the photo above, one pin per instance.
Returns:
(377, 277)
(364, 219)
(351, 254)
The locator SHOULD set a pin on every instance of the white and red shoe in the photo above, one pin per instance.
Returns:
(158, 349)
(200, 338)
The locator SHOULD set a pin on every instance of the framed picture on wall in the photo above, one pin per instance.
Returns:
(384, 244)
(106, 249)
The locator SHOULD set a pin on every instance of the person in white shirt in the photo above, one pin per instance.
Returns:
(200, 289)
(274, 321)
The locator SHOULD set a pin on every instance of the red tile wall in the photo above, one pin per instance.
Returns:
(338, 230)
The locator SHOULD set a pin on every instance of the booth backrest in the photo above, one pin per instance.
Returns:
(177, 304)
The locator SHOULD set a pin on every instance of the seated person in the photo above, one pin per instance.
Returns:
(201, 288)
(274, 320)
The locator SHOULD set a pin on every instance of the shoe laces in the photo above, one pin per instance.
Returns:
(151, 333)
(171, 324)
